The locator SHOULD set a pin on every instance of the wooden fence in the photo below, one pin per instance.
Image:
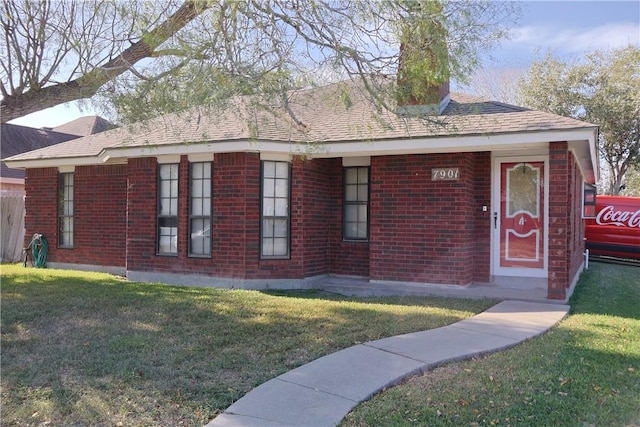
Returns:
(11, 227)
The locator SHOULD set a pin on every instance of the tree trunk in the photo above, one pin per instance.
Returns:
(616, 181)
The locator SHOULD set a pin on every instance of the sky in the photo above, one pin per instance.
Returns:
(567, 29)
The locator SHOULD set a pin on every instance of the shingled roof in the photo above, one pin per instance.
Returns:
(84, 126)
(337, 115)
(15, 139)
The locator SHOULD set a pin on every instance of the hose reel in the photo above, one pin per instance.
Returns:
(36, 250)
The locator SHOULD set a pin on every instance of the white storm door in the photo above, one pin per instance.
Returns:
(519, 219)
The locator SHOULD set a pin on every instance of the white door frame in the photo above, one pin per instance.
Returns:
(496, 269)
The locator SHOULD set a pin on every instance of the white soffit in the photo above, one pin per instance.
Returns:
(584, 155)
(356, 161)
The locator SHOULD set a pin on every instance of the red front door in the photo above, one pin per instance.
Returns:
(522, 215)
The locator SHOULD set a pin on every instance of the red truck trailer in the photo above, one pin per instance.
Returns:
(615, 231)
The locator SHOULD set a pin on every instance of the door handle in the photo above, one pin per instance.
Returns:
(495, 220)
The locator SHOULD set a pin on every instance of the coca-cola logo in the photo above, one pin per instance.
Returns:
(609, 215)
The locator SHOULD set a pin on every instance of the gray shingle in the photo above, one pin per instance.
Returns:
(15, 139)
(324, 117)
(86, 125)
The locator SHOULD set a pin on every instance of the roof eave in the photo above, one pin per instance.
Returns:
(586, 153)
(453, 143)
(53, 162)
(229, 146)
(380, 147)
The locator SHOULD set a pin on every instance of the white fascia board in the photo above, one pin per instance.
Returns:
(53, 163)
(186, 149)
(281, 150)
(446, 144)
(424, 145)
(452, 144)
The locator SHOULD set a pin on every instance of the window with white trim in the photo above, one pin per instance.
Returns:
(275, 210)
(65, 210)
(356, 203)
(168, 209)
(200, 209)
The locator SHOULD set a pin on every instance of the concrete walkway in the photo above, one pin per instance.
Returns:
(535, 290)
(323, 392)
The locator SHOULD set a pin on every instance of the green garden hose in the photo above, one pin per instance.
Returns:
(39, 248)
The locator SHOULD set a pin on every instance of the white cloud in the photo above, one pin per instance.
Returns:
(577, 40)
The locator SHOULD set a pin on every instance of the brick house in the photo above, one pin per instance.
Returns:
(15, 139)
(20, 139)
(478, 192)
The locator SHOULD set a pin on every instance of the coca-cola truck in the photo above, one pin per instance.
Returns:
(615, 230)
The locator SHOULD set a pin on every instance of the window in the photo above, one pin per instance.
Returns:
(200, 209)
(275, 210)
(65, 210)
(168, 209)
(589, 201)
(356, 203)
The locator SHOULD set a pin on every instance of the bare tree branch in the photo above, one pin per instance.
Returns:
(21, 103)
(143, 60)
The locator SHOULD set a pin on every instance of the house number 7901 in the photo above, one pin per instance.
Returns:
(445, 174)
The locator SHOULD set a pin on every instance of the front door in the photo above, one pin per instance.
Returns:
(519, 221)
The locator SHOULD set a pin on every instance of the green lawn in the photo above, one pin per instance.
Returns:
(92, 349)
(585, 372)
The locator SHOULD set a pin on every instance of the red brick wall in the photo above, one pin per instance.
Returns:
(578, 230)
(236, 221)
(482, 224)
(141, 218)
(99, 214)
(566, 228)
(558, 221)
(236, 218)
(100, 211)
(316, 214)
(41, 207)
(347, 258)
(420, 228)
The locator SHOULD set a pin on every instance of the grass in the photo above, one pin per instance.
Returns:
(585, 372)
(93, 349)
